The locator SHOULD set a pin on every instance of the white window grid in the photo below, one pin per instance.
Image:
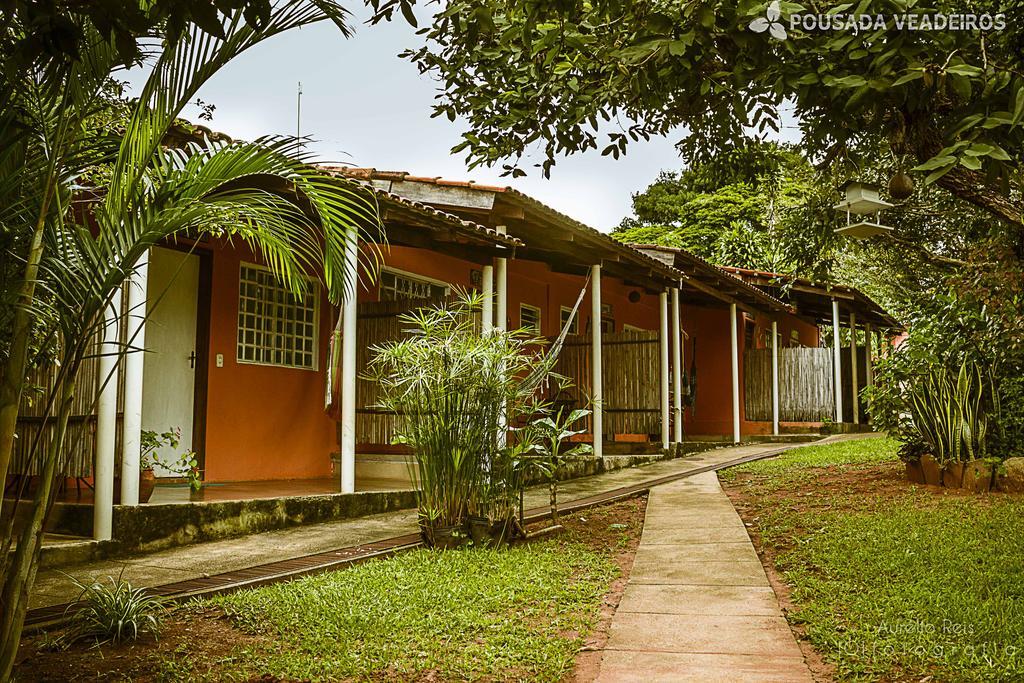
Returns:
(530, 317)
(395, 286)
(274, 326)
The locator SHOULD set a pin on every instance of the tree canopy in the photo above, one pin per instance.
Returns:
(547, 73)
(733, 210)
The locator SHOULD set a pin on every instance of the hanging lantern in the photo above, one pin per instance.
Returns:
(861, 199)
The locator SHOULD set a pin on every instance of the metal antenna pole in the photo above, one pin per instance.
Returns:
(298, 116)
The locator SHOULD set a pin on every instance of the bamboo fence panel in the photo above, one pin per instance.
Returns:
(378, 322)
(79, 451)
(630, 363)
(806, 384)
(80, 440)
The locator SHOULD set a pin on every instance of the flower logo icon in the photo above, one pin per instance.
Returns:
(770, 22)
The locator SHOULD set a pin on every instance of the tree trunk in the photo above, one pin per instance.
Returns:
(972, 187)
(21, 574)
(13, 381)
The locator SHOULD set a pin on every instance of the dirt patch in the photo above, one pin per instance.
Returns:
(848, 488)
(206, 635)
(193, 642)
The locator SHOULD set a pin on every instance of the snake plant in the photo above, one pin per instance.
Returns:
(947, 411)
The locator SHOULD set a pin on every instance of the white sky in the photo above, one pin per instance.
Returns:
(363, 105)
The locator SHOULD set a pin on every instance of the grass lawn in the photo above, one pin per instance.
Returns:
(890, 580)
(468, 614)
(521, 613)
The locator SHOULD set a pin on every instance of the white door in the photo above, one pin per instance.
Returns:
(169, 377)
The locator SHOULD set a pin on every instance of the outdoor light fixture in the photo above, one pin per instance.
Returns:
(861, 199)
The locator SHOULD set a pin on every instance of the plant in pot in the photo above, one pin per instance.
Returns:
(185, 465)
(454, 392)
(946, 409)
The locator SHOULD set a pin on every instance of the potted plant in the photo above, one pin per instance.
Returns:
(150, 442)
(457, 394)
(947, 411)
(911, 454)
(185, 465)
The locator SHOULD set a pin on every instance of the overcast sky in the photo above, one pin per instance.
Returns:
(363, 105)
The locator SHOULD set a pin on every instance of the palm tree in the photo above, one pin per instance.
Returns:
(263, 192)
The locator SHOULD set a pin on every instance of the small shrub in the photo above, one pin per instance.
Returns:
(114, 613)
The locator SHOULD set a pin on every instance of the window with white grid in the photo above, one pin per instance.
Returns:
(398, 286)
(529, 318)
(274, 326)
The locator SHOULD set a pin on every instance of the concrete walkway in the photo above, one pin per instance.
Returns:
(698, 605)
(54, 586)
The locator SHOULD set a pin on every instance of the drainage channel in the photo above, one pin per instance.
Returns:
(331, 560)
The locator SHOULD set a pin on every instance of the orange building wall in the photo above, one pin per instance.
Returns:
(266, 422)
(263, 422)
(708, 329)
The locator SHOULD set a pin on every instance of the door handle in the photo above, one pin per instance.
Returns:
(192, 360)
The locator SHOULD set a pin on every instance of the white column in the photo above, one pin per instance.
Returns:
(775, 377)
(349, 313)
(596, 390)
(663, 339)
(869, 355)
(853, 367)
(837, 366)
(677, 369)
(106, 425)
(501, 323)
(487, 306)
(501, 286)
(134, 360)
(735, 374)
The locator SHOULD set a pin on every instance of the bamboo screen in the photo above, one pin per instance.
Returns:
(806, 385)
(630, 363)
(379, 322)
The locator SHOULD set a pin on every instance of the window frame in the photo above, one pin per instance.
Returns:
(537, 312)
(262, 316)
(413, 277)
(562, 311)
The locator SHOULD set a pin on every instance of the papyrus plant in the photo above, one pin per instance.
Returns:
(453, 390)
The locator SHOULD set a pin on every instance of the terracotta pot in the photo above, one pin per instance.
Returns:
(932, 470)
(953, 475)
(147, 482)
(977, 476)
(915, 474)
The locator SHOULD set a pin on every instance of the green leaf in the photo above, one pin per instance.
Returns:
(907, 78)
(968, 122)
(935, 175)
(964, 70)
(1018, 109)
(936, 162)
(973, 163)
